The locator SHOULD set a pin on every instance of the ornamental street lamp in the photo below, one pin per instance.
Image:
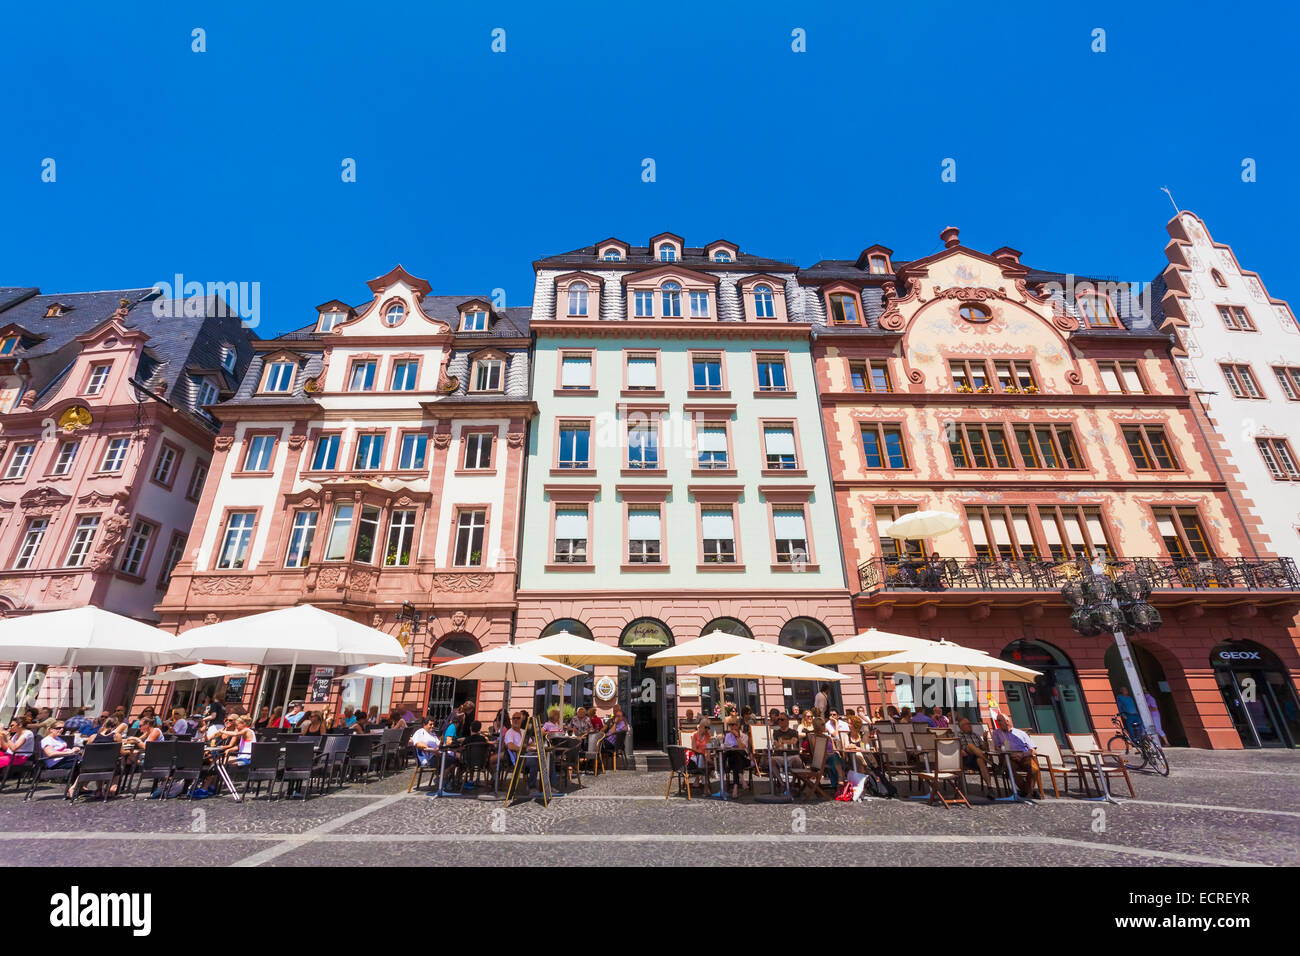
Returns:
(1102, 604)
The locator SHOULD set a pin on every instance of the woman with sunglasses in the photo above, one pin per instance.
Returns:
(736, 754)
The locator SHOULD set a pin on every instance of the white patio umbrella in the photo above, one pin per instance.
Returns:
(867, 646)
(385, 671)
(717, 645)
(288, 635)
(89, 636)
(509, 663)
(923, 524)
(765, 664)
(196, 673)
(948, 660)
(568, 648)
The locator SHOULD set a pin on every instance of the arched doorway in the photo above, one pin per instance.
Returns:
(578, 690)
(742, 693)
(648, 694)
(1154, 682)
(447, 693)
(807, 634)
(1258, 693)
(1053, 703)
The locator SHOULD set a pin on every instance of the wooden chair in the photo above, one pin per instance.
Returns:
(947, 768)
(811, 775)
(1049, 758)
(1092, 760)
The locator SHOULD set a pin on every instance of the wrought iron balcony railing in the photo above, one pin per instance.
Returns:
(977, 574)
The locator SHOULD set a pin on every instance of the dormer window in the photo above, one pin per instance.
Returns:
(207, 392)
(722, 255)
(394, 315)
(671, 300)
(764, 302)
(55, 310)
(612, 254)
(98, 378)
(668, 252)
(8, 344)
(578, 300)
(279, 377)
(844, 309)
(1217, 276)
(489, 374)
(1097, 310)
(228, 359)
(330, 319)
(878, 265)
(476, 321)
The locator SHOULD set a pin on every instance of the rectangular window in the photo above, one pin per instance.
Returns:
(706, 374)
(1015, 376)
(82, 539)
(1001, 533)
(1182, 533)
(404, 373)
(175, 550)
(1279, 458)
(362, 378)
(892, 548)
(644, 536)
(401, 539)
(642, 372)
(979, 446)
(970, 376)
(575, 372)
(790, 534)
(771, 374)
(136, 546)
(711, 446)
(279, 377)
(488, 375)
(414, 446)
(234, 545)
(474, 322)
(1048, 446)
(207, 393)
(21, 460)
(1149, 448)
(115, 454)
(575, 440)
(165, 468)
(718, 529)
(300, 539)
(261, 449)
(8, 344)
(66, 456)
(645, 304)
(336, 548)
(883, 446)
(32, 538)
(1289, 379)
(1073, 532)
(870, 376)
(779, 446)
(699, 305)
(1236, 319)
(1241, 380)
(367, 534)
(370, 453)
(844, 310)
(570, 535)
(197, 478)
(642, 445)
(880, 376)
(98, 378)
(327, 453)
(478, 450)
(1121, 378)
(470, 528)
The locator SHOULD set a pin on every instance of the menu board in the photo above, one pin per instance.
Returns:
(235, 690)
(319, 691)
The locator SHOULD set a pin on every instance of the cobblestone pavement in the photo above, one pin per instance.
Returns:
(1216, 808)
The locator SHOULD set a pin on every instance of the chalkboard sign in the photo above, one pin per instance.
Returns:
(235, 690)
(319, 692)
(543, 757)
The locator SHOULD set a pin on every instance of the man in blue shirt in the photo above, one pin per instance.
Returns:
(1128, 710)
(79, 723)
(1019, 750)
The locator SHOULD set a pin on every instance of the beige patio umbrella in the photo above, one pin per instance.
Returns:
(197, 672)
(717, 645)
(946, 660)
(568, 648)
(923, 524)
(867, 646)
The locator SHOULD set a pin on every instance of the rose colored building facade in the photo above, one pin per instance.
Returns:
(1046, 411)
(105, 442)
(370, 459)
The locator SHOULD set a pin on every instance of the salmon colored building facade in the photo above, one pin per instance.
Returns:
(1046, 411)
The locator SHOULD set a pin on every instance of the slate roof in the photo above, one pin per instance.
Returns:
(508, 323)
(691, 257)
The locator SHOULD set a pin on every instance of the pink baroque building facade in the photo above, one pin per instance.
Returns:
(370, 460)
(106, 435)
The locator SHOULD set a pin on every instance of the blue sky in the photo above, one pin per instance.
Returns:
(225, 165)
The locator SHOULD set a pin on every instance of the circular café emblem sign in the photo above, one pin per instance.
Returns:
(645, 633)
(606, 688)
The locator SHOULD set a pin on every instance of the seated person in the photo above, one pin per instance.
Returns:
(972, 750)
(313, 724)
(476, 733)
(921, 717)
(580, 724)
(736, 755)
(699, 758)
(57, 753)
(425, 742)
(552, 725)
(515, 750)
(785, 738)
(938, 718)
(596, 723)
(12, 741)
(396, 721)
(616, 725)
(1020, 751)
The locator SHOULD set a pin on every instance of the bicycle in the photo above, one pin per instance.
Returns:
(1137, 753)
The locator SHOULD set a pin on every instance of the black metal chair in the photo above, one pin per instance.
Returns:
(22, 767)
(263, 767)
(403, 751)
(299, 766)
(679, 768)
(100, 763)
(619, 749)
(187, 766)
(565, 754)
(64, 773)
(329, 760)
(159, 759)
(363, 755)
(474, 762)
(389, 741)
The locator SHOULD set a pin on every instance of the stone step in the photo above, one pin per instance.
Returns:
(650, 760)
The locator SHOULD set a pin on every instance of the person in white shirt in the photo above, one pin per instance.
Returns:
(822, 700)
(425, 742)
(180, 725)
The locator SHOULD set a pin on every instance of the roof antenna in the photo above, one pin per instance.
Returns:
(1165, 190)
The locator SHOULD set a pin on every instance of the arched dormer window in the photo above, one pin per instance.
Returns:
(764, 302)
(1217, 276)
(394, 314)
(722, 255)
(578, 300)
(667, 252)
(612, 254)
(671, 300)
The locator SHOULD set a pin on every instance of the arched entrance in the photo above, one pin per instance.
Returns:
(1258, 693)
(1154, 682)
(447, 693)
(807, 634)
(742, 693)
(578, 690)
(1053, 703)
(648, 694)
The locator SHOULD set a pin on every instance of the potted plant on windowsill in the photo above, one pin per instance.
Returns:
(964, 389)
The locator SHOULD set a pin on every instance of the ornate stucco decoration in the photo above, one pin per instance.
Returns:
(222, 585)
(462, 582)
(459, 620)
(75, 418)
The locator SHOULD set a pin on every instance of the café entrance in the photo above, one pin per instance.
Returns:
(648, 695)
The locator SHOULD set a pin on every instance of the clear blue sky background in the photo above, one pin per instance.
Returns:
(225, 165)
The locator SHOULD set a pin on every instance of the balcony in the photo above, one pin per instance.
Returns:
(975, 574)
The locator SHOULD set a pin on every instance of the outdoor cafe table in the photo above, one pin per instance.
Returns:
(783, 754)
(219, 764)
(718, 745)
